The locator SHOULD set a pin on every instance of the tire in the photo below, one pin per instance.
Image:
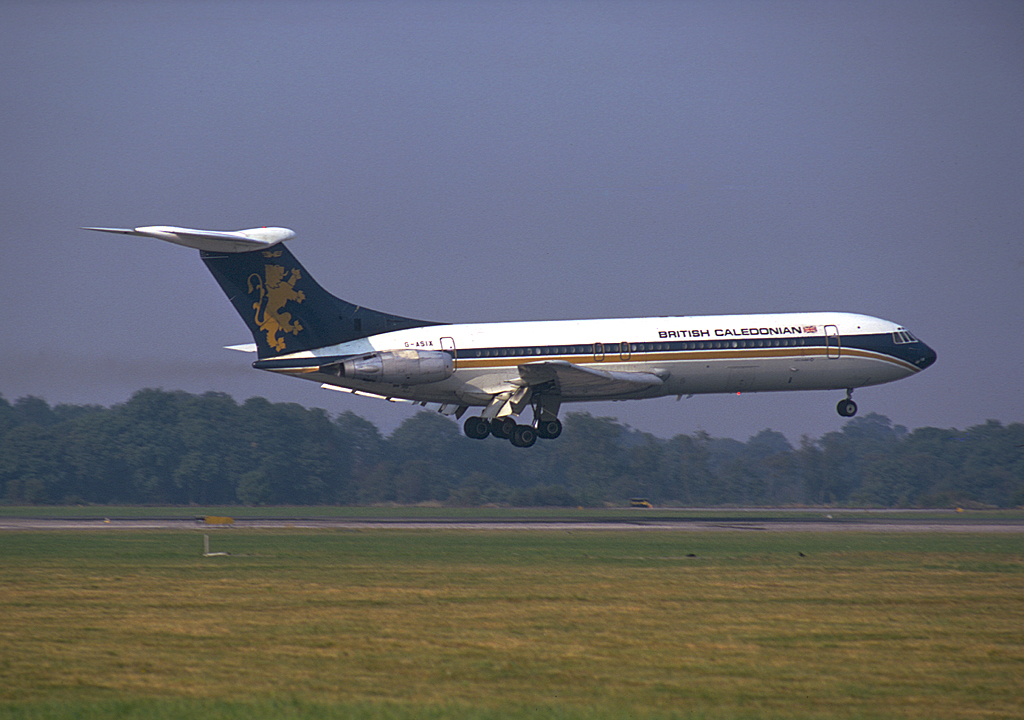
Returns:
(846, 408)
(549, 429)
(503, 427)
(476, 428)
(523, 436)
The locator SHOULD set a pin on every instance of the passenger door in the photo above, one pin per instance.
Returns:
(832, 343)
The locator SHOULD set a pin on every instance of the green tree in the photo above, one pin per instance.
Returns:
(431, 457)
(846, 454)
(96, 467)
(992, 458)
(207, 428)
(684, 470)
(34, 410)
(7, 416)
(151, 444)
(360, 451)
(590, 457)
(291, 457)
(31, 465)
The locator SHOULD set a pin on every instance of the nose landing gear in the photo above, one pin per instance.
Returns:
(847, 407)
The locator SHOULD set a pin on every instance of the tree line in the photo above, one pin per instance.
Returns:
(178, 448)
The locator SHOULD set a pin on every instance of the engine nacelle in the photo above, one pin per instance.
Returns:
(396, 367)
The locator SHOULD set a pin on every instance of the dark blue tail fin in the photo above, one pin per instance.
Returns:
(286, 310)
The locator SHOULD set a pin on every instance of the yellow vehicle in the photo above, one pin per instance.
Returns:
(640, 503)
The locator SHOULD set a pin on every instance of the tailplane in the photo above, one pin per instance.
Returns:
(286, 310)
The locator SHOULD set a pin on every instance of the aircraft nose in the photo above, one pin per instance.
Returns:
(927, 358)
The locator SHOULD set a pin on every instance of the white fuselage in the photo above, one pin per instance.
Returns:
(691, 355)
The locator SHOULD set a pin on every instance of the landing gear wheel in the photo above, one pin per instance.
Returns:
(503, 427)
(476, 428)
(846, 408)
(523, 436)
(549, 429)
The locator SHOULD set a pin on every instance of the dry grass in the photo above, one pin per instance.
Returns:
(587, 623)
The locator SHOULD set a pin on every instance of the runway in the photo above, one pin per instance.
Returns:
(839, 522)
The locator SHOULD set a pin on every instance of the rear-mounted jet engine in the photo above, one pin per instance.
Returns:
(396, 367)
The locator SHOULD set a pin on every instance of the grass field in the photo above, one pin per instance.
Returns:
(488, 624)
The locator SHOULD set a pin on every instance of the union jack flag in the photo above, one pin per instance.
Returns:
(810, 329)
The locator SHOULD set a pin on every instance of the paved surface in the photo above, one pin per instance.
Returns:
(837, 524)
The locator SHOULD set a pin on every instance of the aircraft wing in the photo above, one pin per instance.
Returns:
(576, 382)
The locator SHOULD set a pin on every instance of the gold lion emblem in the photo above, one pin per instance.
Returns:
(276, 289)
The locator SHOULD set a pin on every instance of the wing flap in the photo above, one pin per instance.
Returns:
(577, 382)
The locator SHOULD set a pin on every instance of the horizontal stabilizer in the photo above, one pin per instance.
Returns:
(234, 241)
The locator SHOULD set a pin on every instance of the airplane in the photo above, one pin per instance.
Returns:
(506, 368)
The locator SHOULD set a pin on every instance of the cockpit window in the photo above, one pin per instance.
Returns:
(902, 337)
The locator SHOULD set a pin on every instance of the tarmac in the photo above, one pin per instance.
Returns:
(841, 522)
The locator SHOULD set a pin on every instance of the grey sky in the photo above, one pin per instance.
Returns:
(473, 161)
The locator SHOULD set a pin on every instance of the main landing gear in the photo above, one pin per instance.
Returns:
(506, 428)
(847, 407)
